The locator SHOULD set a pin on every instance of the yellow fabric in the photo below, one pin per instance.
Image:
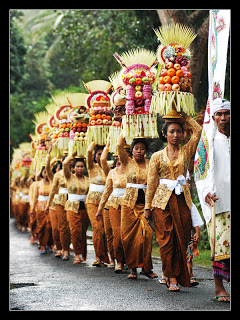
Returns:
(160, 166)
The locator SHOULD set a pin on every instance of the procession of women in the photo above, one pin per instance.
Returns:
(87, 166)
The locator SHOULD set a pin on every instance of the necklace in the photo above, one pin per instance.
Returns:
(173, 154)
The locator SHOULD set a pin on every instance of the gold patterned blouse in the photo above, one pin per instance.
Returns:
(114, 180)
(50, 178)
(59, 181)
(96, 175)
(74, 186)
(25, 191)
(161, 167)
(41, 189)
(134, 174)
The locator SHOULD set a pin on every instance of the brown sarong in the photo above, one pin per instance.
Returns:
(23, 209)
(136, 238)
(33, 222)
(108, 232)
(78, 223)
(63, 227)
(99, 237)
(55, 231)
(43, 227)
(173, 233)
(115, 219)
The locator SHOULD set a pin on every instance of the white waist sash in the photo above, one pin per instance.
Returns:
(118, 192)
(42, 198)
(96, 187)
(77, 197)
(174, 184)
(136, 185)
(56, 196)
(25, 197)
(63, 190)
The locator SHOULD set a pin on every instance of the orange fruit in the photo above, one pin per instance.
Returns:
(138, 81)
(161, 81)
(175, 79)
(171, 72)
(167, 79)
(98, 116)
(189, 74)
(179, 73)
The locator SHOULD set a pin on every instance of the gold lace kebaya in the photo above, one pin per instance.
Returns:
(59, 181)
(114, 180)
(157, 195)
(96, 176)
(133, 172)
(74, 186)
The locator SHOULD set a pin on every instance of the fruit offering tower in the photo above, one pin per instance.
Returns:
(118, 102)
(62, 134)
(79, 118)
(138, 74)
(175, 90)
(98, 102)
(42, 131)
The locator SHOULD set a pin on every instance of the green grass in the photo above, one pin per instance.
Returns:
(202, 260)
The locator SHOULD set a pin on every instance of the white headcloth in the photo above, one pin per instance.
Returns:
(220, 104)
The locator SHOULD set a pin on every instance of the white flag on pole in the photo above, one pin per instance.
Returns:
(219, 23)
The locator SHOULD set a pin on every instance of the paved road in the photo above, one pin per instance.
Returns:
(47, 283)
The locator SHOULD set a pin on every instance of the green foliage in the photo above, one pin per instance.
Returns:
(17, 52)
(92, 36)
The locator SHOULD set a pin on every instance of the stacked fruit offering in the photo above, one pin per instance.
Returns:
(100, 113)
(138, 91)
(79, 131)
(175, 88)
(176, 76)
(64, 128)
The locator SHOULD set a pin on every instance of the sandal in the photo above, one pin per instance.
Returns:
(118, 270)
(162, 281)
(98, 264)
(193, 282)
(65, 258)
(221, 296)
(111, 265)
(175, 286)
(149, 275)
(132, 275)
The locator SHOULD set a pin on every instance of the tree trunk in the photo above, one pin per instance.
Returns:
(198, 47)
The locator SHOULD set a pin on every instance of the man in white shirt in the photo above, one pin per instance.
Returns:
(221, 196)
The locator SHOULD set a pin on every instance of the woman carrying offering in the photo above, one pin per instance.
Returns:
(106, 218)
(52, 210)
(78, 185)
(113, 193)
(135, 231)
(169, 197)
(40, 198)
(23, 203)
(59, 186)
(97, 184)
